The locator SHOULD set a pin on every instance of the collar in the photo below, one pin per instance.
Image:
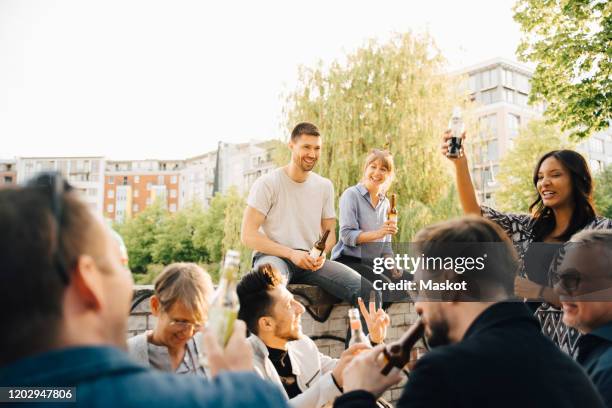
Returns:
(500, 313)
(261, 350)
(364, 192)
(68, 366)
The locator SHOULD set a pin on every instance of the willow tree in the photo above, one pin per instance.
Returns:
(393, 95)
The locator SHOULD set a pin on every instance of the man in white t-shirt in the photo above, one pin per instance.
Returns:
(287, 211)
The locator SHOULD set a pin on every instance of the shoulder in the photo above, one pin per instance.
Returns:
(600, 223)
(270, 178)
(137, 347)
(320, 180)
(304, 343)
(351, 193)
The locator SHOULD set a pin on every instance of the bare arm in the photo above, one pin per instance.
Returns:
(329, 224)
(465, 188)
(254, 239)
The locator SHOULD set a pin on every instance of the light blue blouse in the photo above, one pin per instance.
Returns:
(357, 215)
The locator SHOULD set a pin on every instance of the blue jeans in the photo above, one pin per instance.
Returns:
(335, 278)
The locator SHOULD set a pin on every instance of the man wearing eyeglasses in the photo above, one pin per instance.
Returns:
(64, 303)
(584, 283)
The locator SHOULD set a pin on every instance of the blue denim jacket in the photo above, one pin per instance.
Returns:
(107, 377)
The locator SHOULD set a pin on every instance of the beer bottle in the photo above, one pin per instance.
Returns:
(224, 306)
(357, 335)
(392, 212)
(319, 246)
(397, 354)
(456, 127)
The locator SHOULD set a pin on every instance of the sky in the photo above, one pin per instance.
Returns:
(136, 79)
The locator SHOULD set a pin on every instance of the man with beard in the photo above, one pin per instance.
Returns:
(282, 354)
(488, 352)
(584, 283)
(288, 210)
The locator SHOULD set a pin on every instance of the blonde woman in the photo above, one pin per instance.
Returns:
(182, 293)
(365, 231)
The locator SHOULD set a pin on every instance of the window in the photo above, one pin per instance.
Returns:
(149, 185)
(521, 99)
(473, 83)
(522, 83)
(490, 96)
(507, 78)
(136, 193)
(111, 180)
(8, 179)
(597, 145)
(92, 192)
(172, 207)
(596, 165)
(514, 122)
(109, 208)
(509, 95)
(489, 78)
(111, 194)
(135, 207)
(492, 153)
(173, 193)
(160, 180)
(173, 180)
(125, 180)
(136, 179)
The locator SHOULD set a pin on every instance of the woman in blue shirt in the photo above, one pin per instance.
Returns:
(365, 231)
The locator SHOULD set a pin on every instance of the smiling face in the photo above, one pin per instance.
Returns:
(305, 151)
(376, 174)
(584, 285)
(286, 314)
(554, 184)
(176, 325)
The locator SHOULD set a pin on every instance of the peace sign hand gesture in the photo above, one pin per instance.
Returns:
(377, 321)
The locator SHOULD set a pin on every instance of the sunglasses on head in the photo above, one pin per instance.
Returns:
(55, 186)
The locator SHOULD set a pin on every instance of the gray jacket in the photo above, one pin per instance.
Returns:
(312, 370)
(138, 348)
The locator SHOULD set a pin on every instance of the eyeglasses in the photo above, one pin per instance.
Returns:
(568, 281)
(182, 326)
(56, 186)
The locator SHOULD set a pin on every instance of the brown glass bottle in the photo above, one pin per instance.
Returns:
(397, 354)
(392, 213)
(319, 246)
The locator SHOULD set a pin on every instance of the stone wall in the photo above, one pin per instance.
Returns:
(402, 315)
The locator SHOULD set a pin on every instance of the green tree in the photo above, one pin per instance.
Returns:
(570, 42)
(515, 176)
(140, 234)
(603, 192)
(232, 223)
(174, 239)
(393, 95)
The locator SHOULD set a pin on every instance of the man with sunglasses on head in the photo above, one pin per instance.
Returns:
(65, 299)
(583, 281)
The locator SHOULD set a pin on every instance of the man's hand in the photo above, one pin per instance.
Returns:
(388, 228)
(526, 289)
(319, 262)
(345, 358)
(363, 373)
(377, 321)
(302, 259)
(237, 355)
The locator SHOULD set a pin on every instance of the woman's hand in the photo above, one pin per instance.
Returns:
(388, 228)
(446, 141)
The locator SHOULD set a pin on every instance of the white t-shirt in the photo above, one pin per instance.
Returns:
(293, 210)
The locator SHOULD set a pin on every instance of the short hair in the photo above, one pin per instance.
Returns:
(304, 128)
(187, 283)
(501, 264)
(32, 286)
(588, 238)
(253, 294)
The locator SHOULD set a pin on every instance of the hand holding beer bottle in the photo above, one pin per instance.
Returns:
(390, 225)
(452, 141)
(224, 306)
(317, 252)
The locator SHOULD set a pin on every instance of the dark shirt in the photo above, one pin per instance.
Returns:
(107, 377)
(502, 361)
(595, 355)
(281, 361)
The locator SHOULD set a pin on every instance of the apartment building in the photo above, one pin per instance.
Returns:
(85, 174)
(8, 172)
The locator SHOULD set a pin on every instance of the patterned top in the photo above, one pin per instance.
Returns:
(519, 228)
